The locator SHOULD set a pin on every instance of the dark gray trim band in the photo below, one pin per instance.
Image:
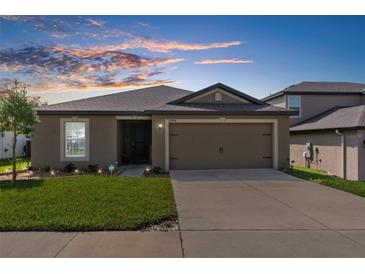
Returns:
(324, 129)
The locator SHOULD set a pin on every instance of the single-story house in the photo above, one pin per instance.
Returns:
(167, 127)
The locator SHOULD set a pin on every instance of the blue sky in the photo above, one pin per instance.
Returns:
(69, 57)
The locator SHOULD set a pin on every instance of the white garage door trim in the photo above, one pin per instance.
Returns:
(222, 120)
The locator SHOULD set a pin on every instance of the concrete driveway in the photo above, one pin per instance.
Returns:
(265, 213)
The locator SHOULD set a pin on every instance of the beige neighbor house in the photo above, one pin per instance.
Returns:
(330, 123)
(217, 127)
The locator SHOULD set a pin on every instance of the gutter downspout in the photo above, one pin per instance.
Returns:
(343, 148)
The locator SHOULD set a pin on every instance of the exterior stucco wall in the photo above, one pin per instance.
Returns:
(158, 135)
(329, 157)
(102, 142)
(104, 135)
(314, 104)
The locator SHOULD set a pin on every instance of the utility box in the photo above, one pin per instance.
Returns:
(308, 151)
(308, 154)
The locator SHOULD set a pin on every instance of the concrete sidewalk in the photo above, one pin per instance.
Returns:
(105, 244)
(134, 170)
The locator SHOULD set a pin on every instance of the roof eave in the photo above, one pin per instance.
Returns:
(326, 129)
(281, 93)
(88, 112)
(202, 112)
(165, 112)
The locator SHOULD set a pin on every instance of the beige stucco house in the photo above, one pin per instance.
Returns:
(217, 127)
(331, 121)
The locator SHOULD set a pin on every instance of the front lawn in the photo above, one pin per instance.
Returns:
(6, 165)
(323, 178)
(85, 203)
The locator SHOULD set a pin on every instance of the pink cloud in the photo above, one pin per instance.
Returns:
(223, 61)
(167, 46)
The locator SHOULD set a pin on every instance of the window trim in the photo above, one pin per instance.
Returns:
(63, 157)
(300, 105)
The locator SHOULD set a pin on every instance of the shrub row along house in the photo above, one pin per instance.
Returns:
(330, 124)
(170, 128)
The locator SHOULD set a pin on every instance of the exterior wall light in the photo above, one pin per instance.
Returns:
(76, 171)
(100, 171)
(160, 125)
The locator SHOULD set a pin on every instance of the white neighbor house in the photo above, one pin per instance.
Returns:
(6, 141)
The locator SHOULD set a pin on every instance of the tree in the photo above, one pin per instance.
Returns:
(17, 114)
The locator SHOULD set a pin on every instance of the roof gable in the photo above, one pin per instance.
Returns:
(206, 95)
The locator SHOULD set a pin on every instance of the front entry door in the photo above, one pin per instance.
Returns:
(139, 143)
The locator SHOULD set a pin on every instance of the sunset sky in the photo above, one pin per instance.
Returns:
(69, 57)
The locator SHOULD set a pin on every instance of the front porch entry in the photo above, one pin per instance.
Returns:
(136, 141)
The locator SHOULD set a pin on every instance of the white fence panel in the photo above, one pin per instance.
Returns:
(6, 142)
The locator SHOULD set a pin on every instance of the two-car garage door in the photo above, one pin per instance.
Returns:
(220, 145)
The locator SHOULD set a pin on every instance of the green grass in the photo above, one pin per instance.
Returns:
(21, 163)
(323, 178)
(85, 203)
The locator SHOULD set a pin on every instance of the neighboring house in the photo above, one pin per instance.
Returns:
(6, 145)
(217, 127)
(332, 119)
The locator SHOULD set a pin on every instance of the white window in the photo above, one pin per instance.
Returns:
(74, 139)
(294, 103)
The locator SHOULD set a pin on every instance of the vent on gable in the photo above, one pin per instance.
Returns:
(218, 96)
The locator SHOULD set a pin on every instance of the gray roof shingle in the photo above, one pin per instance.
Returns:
(321, 88)
(335, 118)
(128, 101)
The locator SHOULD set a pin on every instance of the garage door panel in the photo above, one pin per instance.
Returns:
(204, 146)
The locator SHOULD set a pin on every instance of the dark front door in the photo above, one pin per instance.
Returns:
(139, 143)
